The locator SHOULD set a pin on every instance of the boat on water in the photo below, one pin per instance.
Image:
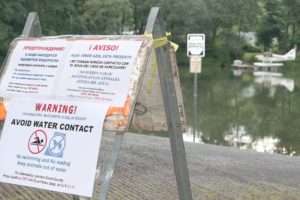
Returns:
(267, 74)
(241, 65)
(267, 64)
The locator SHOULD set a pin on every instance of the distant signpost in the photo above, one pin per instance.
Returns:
(195, 50)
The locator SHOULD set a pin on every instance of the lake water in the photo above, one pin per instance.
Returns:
(246, 109)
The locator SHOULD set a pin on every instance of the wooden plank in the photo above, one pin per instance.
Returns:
(148, 114)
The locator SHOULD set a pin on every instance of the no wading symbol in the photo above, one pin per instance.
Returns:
(56, 145)
(37, 142)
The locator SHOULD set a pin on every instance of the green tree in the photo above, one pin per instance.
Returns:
(223, 22)
(58, 17)
(291, 18)
(246, 15)
(181, 19)
(270, 26)
(107, 17)
(220, 16)
(12, 19)
(140, 8)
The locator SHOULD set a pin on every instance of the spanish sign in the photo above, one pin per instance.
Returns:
(45, 143)
(196, 45)
(99, 69)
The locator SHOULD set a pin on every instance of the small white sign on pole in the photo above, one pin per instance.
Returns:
(195, 64)
(52, 144)
(196, 45)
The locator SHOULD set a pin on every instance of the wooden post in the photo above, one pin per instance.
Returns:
(156, 26)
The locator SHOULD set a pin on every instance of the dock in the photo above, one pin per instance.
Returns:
(144, 171)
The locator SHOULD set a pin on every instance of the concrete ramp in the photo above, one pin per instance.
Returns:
(144, 171)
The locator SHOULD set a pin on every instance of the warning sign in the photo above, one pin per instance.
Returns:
(37, 141)
(50, 145)
(196, 45)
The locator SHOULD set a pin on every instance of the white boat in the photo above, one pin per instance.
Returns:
(267, 64)
(267, 74)
(240, 64)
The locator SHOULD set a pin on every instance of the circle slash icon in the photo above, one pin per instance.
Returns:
(56, 145)
(37, 142)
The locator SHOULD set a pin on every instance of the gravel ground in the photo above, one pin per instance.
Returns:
(144, 171)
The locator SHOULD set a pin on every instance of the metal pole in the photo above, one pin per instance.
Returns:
(116, 146)
(156, 26)
(195, 107)
(32, 26)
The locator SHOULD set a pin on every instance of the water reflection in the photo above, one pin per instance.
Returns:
(190, 137)
(246, 109)
(270, 80)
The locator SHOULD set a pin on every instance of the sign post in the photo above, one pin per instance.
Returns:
(156, 27)
(195, 50)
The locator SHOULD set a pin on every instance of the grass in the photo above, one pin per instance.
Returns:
(249, 57)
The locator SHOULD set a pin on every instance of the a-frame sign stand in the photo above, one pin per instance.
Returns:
(155, 26)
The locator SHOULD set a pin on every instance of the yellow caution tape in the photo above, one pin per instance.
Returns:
(175, 46)
(158, 42)
(153, 72)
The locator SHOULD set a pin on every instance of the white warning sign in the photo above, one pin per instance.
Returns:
(45, 143)
(196, 45)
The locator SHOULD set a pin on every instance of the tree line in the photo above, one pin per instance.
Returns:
(222, 21)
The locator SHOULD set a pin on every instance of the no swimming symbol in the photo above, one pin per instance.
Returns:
(37, 142)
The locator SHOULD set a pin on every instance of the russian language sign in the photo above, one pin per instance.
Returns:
(52, 144)
(33, 67)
